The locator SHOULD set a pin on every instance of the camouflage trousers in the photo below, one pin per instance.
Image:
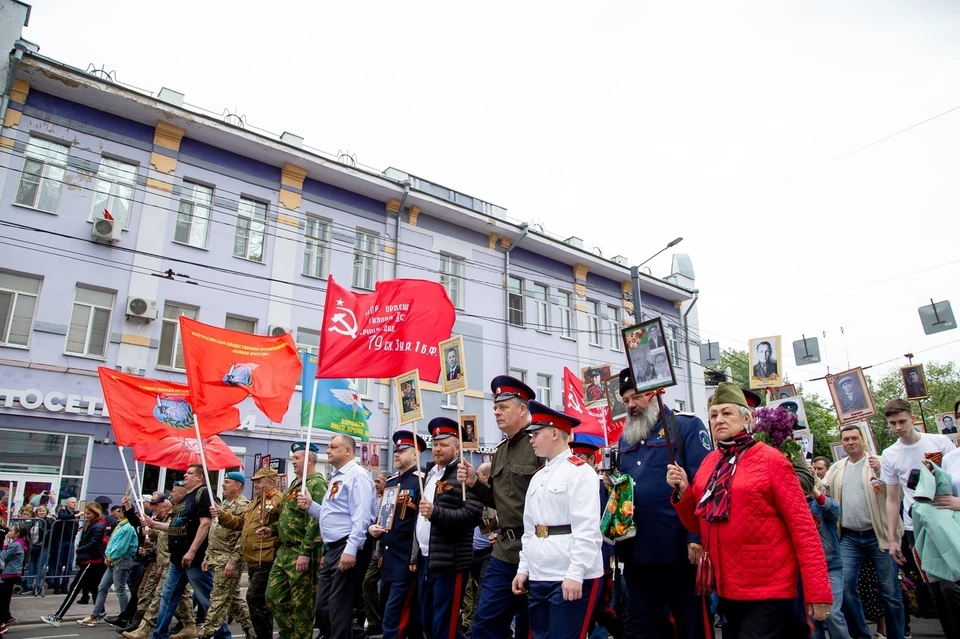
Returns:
(184, 607)
(225, 600)
(291, 595)
(149, 587)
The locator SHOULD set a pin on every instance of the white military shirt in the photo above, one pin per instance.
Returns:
(563, 492)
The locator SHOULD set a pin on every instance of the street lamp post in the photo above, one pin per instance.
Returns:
(635, 276)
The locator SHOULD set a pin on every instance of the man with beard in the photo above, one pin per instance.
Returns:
(661, 560)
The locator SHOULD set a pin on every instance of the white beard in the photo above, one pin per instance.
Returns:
(639, 427)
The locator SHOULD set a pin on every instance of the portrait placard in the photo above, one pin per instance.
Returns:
(765, 362)
(618, 410)
(795, 406)
(648, 356)
(468, 426)
(453, 367)
(388, 507)
(947, 423)
(836, 449)
(914, 381)
(593, 385)
(408, 390)
(851, 396)
(783, 392)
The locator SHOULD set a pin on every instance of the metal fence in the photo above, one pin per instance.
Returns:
(53, 543)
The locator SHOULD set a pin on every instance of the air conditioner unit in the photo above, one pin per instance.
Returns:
(109, 230)
(142, 308)
(277, 331)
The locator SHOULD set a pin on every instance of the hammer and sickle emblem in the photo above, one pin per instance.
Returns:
(341, 323)
(575, 402)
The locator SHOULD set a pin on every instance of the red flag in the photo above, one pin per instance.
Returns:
(594, 420)
(224, 367)
(180, 452)
(385, 333)
(106, 215)
(145, 410)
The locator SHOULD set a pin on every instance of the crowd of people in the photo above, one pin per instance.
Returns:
(722, 531)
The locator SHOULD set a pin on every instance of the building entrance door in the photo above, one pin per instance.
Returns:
(17, 490)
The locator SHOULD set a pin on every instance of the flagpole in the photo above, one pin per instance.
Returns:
(306, 450)
(126, 471)
(463, 486)
(203, 458)
(138, 495)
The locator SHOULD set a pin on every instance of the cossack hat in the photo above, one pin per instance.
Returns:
(728, 393)
(297, 446)
(753, 400)
(265, 473)
(542, 416)
(443, 427)
(626, 381)
(404, 439)
(236, 476)
(506, 387)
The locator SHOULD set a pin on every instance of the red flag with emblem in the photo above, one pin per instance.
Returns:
(385, 333)
(224, 367)
(149, 410)
(594, 420)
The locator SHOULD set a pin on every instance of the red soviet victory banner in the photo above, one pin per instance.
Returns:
(594, 420)
(385, 333)
(224, 367)
(147, 410)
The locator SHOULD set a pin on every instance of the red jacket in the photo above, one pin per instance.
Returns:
(755, 553)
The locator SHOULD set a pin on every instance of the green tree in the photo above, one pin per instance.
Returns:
(943, 386)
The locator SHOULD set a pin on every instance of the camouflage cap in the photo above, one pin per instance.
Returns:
(265, 473)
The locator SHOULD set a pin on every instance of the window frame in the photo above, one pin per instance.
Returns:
(16, 294)
(515, 295)
(594, 323)
(90, 322)
(320, 244)
(240, 318)
(46, 160)
(177, 337)
(673, 342)
(368, 259)
(194, 204)
(250, 216)
(518, 373)
(114, 183)
(447, 403)
(613, 323)
(541, 306)
(548, 387)
(568, 324)
(448, 278)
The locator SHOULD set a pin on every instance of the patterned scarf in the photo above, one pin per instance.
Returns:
(715, 503)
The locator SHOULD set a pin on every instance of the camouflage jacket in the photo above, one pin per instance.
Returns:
(163, 551)
(256, 551)
(297, 528)
(224, 543)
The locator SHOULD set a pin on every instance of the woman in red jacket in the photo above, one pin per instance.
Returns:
(747, 505)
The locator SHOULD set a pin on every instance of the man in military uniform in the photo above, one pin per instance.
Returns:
(225, 559)
(258, 554)
(513, 465)
(151, 601)
(292, 589)
(560, 562)
(661, 563)
(398, 590)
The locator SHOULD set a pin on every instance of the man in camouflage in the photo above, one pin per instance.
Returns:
(225, 560)
(151, 601)
(292, 589)
(258, 554)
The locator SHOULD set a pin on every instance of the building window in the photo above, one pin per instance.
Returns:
(515, 300)
(89, 330)
(540, 292)
(567, 326)
(116, 181)
(240, 324)
(451, 276)
(449, 401)
(308, 341)
(673, 342)
(193, 220)
(678, 405)
(42, 176)
(251, 229)
(316, 243)
(363, 388)
(18, 303)
(593, 322)
(516, 373)
(365, 261)
(545, 390)
(613, 319)
(171, 346)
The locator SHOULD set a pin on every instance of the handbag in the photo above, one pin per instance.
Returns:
(706, 582)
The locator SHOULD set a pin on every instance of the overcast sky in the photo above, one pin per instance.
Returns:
(651, 120)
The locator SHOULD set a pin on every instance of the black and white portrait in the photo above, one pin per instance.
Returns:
(765, 362)
(650, 364)
(914, 381)
(947, 423)
(851, 396)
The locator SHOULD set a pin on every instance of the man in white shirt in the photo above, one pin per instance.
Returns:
(560, 559)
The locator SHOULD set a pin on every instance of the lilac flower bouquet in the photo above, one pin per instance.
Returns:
(774, 426)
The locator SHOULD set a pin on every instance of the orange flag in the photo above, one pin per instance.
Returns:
(224, 367)
(149, 410)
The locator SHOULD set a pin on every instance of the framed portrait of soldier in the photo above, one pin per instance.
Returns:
(618, 410)
(837, 451)
(388, 507)
(453, 368)
(851, 396)
(783, 392)
(765, 371)
(468, 427)
(795, 406)
(594, 388)
(408, 390)
(914, 381)
(649, 363)
(947, 424)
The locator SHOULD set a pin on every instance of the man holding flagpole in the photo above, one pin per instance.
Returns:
(292, 589)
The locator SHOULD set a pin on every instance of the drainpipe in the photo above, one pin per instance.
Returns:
(506, 298)
(396, 259)
(686, 339)
(14, 67)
